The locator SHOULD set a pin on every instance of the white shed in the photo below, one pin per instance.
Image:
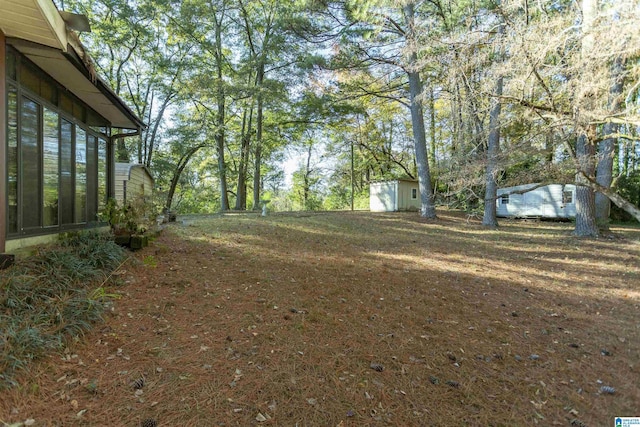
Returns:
(133, 181)
(548, 201)
(395, 195)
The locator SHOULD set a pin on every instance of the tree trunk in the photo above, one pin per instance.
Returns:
(182, 164)
(150, 140)
(307, 185)
(586, 224)
(493, 146)
(604, 171)
(222, 166)
(220, 133)
(257, 177)
(417, 122)
(241, 192)
(122, 154)
(432, 128)
(618, 200)
(352, 177)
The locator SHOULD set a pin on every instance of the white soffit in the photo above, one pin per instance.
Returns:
(60, 67)
(34, 20)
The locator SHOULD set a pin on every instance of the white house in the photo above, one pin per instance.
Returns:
(395, 195)
(133, 181)
(548, 201)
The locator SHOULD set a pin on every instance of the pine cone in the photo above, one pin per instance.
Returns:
(149, 422)
(138, 384)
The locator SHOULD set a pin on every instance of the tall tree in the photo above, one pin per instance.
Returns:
(493, 145)
(382, 37)
(427, 209)
(586, 224)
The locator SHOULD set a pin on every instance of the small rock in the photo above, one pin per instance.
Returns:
(434, 380)
(454, 384)
(534, 357)
(518, 358)
(605, 352)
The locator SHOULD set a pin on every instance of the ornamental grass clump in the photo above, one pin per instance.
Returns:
(52, 296)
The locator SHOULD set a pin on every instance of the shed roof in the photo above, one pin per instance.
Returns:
(523, 187)
(37, 29)
(126, 168)
(396, 180)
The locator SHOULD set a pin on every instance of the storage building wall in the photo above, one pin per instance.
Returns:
(383, 196)
(549, 201)
(132, 181)
(408, 196)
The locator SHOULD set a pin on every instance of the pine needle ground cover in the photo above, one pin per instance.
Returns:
(355, 319)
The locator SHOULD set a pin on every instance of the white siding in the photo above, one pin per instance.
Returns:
(121, 177)
(392, 196)
(132, 182)
(544, 202)
(383, 196)
(406, 201)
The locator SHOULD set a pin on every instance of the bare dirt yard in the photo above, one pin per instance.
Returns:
(355, 319)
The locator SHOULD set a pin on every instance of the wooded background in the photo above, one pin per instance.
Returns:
(465, 96)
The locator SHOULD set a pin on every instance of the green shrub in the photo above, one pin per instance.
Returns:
(52, 296)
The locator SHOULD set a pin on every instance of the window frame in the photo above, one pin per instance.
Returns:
(98, 130)
(568, 200)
